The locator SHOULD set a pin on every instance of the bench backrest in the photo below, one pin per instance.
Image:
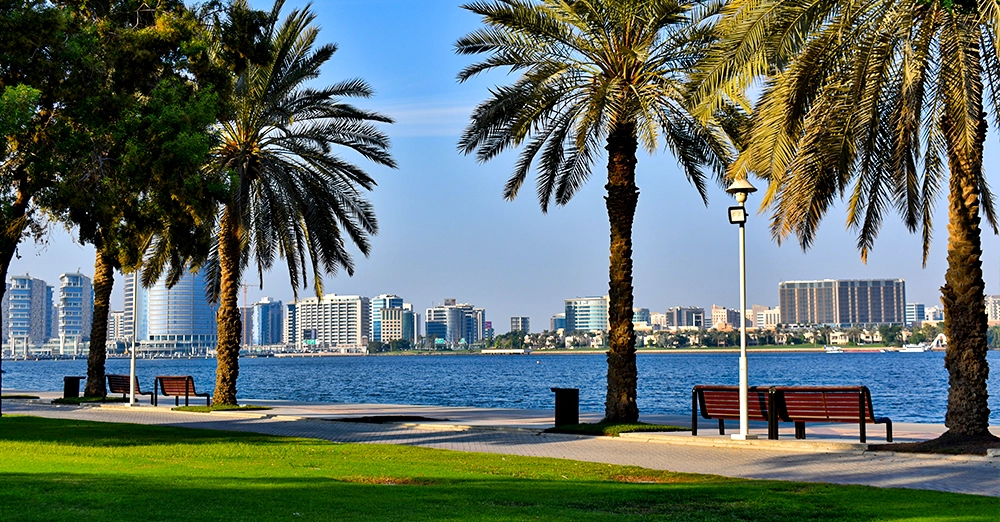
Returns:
(820, 403)
(119, 383)
(176, 384)
(724, 402)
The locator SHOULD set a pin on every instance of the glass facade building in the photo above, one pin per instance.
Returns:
(587, 314)
(180, 319)
(267, 322)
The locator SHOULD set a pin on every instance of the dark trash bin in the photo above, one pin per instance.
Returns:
(567, 406)
(71, 386)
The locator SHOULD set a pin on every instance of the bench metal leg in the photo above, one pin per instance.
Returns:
(800, 430)
(722, 427)
(888, 430)
(694, 414)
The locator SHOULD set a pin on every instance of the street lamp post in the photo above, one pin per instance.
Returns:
(135, 335)
(738, 215)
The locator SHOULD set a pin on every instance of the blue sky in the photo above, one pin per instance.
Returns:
(447, 232)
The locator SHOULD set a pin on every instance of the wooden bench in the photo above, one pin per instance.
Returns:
(723, 403)
(177, 386)
(802, 404)
(119, 384)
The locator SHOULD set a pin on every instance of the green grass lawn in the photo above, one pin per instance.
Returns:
(78, 471)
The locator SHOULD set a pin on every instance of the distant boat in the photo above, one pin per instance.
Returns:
(833, 349)
(915, 348)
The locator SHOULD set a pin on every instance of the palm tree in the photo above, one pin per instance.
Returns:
(290, 194)
(881, 100)
(593, 72)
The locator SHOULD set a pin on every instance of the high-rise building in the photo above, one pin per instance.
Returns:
(557, 322)
(915, 313)
(28, 312)
(136, 309)
(267, 322)
(378, 303)
(4, 314)
(397, 323)
(520, 324)
(587, 314)
(246, 323)
(333, 322)
(180, 319)
(685, 317)
(289, 333)
(641, 315)
(116, 325)
(455, 323)
(842, 302)
(76, 307)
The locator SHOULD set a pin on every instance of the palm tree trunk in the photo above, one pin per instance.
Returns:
(104, 282)
(228, 315)
(623, 195)
(963, 292)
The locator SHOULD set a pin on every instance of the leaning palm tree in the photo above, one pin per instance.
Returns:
(594, 72)
(290, 194)
(882, 101)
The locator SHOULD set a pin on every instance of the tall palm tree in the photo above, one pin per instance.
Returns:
(593, 72)
(883, 101)
(290, 194)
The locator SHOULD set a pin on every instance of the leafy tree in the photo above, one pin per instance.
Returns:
(993, 336)
(883, 100)
(289, 194)
(608, 72)
(136, 171)
(400, 345)
(890, 333)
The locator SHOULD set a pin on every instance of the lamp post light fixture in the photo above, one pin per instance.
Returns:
(738, 216)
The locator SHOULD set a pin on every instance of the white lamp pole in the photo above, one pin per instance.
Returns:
(738, 215)
(135, 334)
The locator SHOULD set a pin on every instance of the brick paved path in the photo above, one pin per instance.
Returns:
(976, 475)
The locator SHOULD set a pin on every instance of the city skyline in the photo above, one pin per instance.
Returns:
(445, 231)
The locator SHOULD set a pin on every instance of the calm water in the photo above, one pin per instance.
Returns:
(906, 387)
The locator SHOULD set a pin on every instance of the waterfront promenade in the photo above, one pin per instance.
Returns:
(829, 454)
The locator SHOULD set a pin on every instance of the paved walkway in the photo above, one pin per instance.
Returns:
(828, 455)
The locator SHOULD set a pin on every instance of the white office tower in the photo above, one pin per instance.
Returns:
(76, 308)
(136, 307)
(335, 322)
(29, 302)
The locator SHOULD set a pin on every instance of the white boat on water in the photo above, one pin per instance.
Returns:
(833, 349)
(915, 348)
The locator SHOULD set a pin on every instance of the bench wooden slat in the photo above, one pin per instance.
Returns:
(723, 403)
(801, 404)
(180, 385)
(119, 384)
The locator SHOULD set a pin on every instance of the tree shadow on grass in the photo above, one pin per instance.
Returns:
(328, 496)
(15, 428)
